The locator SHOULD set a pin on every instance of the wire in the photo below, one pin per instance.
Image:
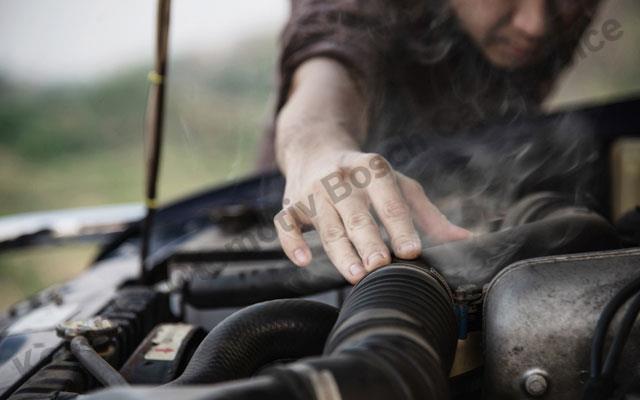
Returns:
(604, 321)
(615, 352)
(601, 384)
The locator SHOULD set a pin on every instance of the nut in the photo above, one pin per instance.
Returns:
(536, 384)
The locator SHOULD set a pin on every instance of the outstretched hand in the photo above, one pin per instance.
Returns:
(335, 195)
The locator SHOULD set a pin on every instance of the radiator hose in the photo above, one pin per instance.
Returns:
(257, 336)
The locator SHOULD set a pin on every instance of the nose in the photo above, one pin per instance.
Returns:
(530, 18)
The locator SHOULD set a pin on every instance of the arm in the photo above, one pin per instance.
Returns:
(324, 113)
(318, 133)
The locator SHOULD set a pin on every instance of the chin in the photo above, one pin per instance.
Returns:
(506, 62)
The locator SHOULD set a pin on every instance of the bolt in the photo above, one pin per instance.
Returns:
(536, 384)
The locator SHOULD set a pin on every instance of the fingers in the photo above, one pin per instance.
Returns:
(427, 216)
(336, 242)
(333, 235)
(394, 212)
(363, 231)
(338, 207)
(290, 236)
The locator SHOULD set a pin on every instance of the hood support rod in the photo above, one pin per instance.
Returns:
(153, 129)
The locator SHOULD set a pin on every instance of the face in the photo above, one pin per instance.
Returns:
(514, 33)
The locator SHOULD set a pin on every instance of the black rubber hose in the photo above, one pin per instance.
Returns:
(249, 287)
(257, 336)
(96, 365)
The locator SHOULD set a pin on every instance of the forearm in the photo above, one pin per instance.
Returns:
(325, 112)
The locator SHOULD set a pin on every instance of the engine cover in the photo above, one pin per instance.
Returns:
(540, 317)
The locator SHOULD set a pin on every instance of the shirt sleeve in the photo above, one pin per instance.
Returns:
(357, 33)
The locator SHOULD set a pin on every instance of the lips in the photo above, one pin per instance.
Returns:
(521, 51)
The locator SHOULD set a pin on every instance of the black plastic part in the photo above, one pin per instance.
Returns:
(257, 336)
(142, 371)
(235, 289)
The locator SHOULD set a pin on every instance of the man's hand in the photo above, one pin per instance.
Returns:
(336, 194)
(333, 186)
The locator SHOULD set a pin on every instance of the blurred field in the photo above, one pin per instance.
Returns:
(77, 146)
(65, 147)
(71, 146)
(26, 272)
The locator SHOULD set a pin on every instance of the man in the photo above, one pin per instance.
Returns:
(354, 72)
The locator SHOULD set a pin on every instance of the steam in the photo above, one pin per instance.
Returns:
(476, 176)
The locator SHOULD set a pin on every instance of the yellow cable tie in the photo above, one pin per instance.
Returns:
(155, 77)
(151, 203)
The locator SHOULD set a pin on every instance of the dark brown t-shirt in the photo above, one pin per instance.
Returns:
(418, 69)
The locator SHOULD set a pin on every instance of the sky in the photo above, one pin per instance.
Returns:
(57, 41)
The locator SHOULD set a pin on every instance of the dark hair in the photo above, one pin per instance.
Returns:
(437, 34)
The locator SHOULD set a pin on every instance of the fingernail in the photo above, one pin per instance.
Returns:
(407, 247)
(375, 259)
(300, 255)
(356, 269)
